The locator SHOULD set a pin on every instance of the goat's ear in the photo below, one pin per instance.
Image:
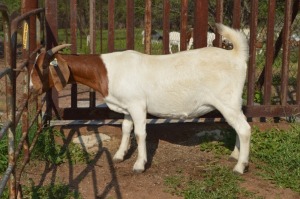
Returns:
(60, 72)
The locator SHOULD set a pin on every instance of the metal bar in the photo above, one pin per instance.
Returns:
(219, 19)
(166, 26)
(5, 178)
(101, 113)
(252, 52)
(51, 41)
(4, 72)
(236, 23)
(148, 28)
(286, 52)
(92, 98)
(111, 25)
(298, 78)
(92, 27)
(183, 24)
(73, 27)
(200, 21)
(4, 128)
(130, 25)
(101, 26)
(269, 52)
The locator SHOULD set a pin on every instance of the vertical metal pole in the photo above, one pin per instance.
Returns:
(200, 23)
(183, 24)
(73, 21)
(130, 25)
(92, 45)
(219, 19)
(111, 25)
(252, 51)
(286, 52)
(51, 40)
(148, 28)
(269, 52)
(92, 27)
(101, 26)
(236, 23)
(166, 26)
(298, 79)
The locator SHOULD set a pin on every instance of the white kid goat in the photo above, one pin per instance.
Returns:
(183, 85)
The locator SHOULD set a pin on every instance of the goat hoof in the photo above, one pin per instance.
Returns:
(117, 160)
(241, 169)
(138, 170)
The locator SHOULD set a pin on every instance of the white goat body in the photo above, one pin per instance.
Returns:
(182, 85)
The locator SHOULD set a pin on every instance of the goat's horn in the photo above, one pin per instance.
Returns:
(55, 49)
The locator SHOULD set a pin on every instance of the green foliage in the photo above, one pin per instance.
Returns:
(277, 154)
(12, 5)
(53, 191)
(217, 182)
(46, 149)
(3, 154)
(219, 147)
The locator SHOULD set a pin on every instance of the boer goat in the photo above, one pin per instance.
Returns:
(183, 85)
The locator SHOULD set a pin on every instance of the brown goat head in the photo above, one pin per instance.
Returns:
(49, 69)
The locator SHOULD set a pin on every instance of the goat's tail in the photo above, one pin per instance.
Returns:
(238, 39)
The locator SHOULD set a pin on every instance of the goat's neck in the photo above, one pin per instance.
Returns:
(88, 70)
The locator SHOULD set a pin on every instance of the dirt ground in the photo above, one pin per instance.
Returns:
(170, 147)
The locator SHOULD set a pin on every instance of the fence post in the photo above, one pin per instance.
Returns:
(183, 24)
(166, 26)
(269, 52)
(111, 25)
(130, 25)
(200, 21)
(148, 28)
(73, 21)
(51, 41)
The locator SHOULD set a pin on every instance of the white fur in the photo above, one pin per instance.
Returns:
(182, 85)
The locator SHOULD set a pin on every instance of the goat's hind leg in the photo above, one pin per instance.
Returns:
(237, 120)
(127, 126)
(241, 151)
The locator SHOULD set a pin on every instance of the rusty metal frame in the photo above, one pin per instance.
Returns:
(21, 115)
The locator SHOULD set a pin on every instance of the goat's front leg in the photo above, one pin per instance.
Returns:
(138, 114)
(170, 48)
(236, 151)
(127, 126)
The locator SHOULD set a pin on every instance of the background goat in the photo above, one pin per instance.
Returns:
(155, 37)
(183, 85)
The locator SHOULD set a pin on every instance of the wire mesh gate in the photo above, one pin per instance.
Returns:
(272, 88)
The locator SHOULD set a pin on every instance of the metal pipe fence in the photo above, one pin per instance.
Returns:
(18, 103)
